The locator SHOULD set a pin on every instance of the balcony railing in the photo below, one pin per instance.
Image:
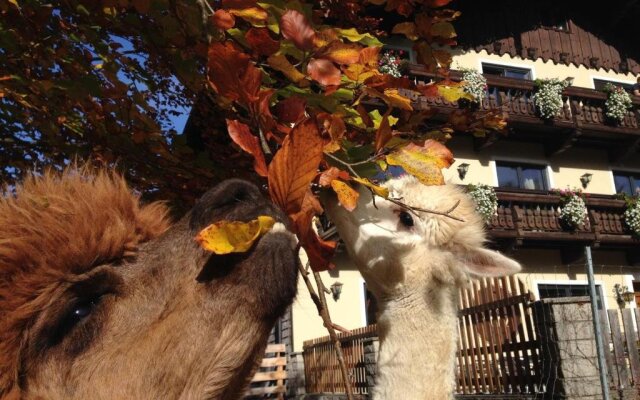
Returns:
(535, 216)
(583, 109)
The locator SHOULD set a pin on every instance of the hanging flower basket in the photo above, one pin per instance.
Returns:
(486, 199)
(474, 83)
(632, 215)
(618, 102)
(548, 97)
(573, 210)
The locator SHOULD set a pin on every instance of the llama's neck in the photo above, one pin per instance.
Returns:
(417, 345)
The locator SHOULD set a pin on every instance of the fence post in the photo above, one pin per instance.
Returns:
(295, 374)
(371, 348)
(568, 348)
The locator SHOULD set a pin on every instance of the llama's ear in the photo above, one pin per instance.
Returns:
(483, 262)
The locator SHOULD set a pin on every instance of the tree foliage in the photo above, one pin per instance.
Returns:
(287, 93)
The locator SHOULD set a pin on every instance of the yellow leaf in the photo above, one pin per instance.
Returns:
(423, 162)
(346, 195)
(395, 99)
(15, 3)
(280, 63)
(253, 15)
(379, 190)
(353, 35)
(224, 237)
(453, 93)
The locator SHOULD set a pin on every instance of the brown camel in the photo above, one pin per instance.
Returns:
(102, 297)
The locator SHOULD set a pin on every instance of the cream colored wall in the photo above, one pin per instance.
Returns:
(583, 76)
(564, 169)
(347, 312)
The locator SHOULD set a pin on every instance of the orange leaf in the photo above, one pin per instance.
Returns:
(295, 27)
(327, 176)
(261, 42)
(395, 99)
(232, 74)
(280, 63)
(295, 165)
(223, 19)
(241, 135)
(324, 72)
(341, 53)
(318, 251)
(423, 162)
(383, 134)
(253, 15)
(347, 196)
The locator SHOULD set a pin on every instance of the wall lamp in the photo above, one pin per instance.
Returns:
(585, 179)
(462, 170)
(336, 290)
(623, 295)
(569, 80)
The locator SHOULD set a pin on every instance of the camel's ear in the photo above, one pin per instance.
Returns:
(483, 262)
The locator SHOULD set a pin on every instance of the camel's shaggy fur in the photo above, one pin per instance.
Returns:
(102, 297)
(415, 271)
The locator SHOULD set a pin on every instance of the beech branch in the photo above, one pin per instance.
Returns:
(320, 301)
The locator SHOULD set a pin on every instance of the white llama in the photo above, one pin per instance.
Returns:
(414, 263)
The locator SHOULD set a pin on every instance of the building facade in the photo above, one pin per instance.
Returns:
(579, 148)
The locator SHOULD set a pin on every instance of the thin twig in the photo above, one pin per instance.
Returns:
(323, 311)
(263, 143)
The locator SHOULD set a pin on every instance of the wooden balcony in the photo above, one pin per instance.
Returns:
(582, 120)
(531, 217)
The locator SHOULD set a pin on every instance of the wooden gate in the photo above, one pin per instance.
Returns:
(621, 351)
(498, 348)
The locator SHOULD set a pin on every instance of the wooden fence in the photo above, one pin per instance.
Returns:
(498, 349)
(268, 381)
(621, 341)
(322, 374)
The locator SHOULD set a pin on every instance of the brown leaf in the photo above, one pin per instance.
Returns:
(261, 42)
(406, 28)
(295, 165)
(331, 174)
(324, 72)
(241, 135)
(291, 110)
(347, 196)
(280, 63)
(223, 19)
(383, 134)
(340, 53)
(320, 252)
(232, 74)
(295, 27)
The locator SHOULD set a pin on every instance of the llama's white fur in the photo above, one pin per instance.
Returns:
(415, 273)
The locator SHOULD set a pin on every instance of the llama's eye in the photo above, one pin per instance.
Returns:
(406, 219)
(76, 314)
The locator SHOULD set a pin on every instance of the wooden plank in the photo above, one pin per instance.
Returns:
(476, 357)
(265, 390)
(618, 348)
(524, 369)
(632, 344)
(269, 376)
(276, 348)
(273, 362)
(612, 371)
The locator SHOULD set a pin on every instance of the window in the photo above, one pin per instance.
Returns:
(599, 84)
(507, 72)
(568, 290)
(522, 176)
(626, 182)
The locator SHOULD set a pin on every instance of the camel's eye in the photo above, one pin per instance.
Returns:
(406, 219)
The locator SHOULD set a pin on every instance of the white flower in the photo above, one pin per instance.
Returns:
(618, 102)
(574, 211)
(548, 97)
(632, 217)
(474, 83)
(486, 200)
(391, 62)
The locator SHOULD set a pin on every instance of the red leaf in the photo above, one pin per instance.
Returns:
(331, 174)
(295, 27)
(295, 165)
(383, 134)
(324, 72)
(319, 252)
(291, 110)
(241, 135)
(232, 74)
(261, 42)
(223, 19)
